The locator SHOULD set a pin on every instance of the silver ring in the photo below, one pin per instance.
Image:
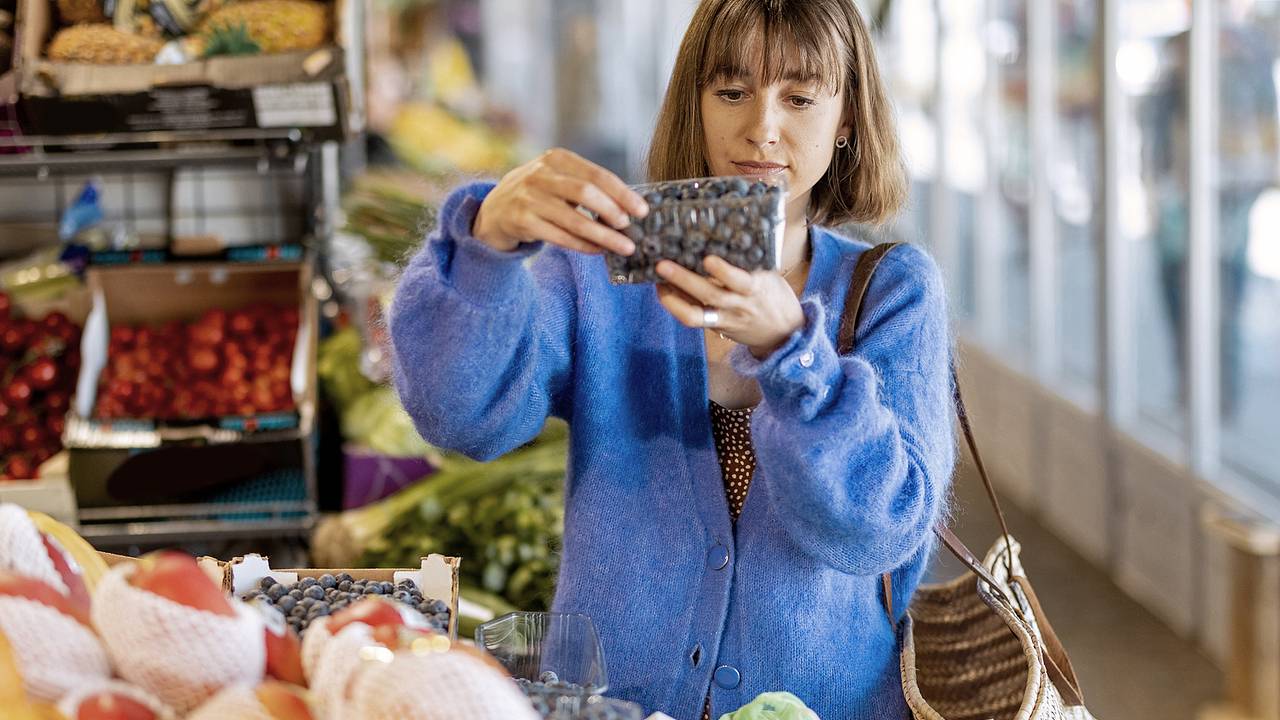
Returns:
(710, 317)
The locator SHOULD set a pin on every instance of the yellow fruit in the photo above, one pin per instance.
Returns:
(275, 25)
(92, 566)
(80, 11)
(102, 45)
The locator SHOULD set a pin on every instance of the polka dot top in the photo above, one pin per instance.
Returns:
(732, 432)
(731, 429)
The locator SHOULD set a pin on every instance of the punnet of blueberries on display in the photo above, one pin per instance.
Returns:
(311, 598)
(734, 218)
(555, 699)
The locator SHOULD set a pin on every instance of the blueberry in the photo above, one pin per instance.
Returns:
(437, 607)
(653, 198)
(315, 591)
(634, 231)
(286, 603)
(345, 585)
(296, 593)
(742, 240)
(298, 611)
(695, 242)
(442, 620)
(345, 577)
(265, 583)
(387, 588)
(307, 602)
(373, 589)
(755, 254)
(738, 186)
(327, 581)
(305, 583)
(548, 677)
(317, 611)
(277, 591)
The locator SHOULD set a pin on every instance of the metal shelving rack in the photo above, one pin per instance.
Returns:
(312, 168)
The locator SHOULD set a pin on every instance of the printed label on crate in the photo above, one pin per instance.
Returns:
(188, 108)
(295, 105)
(277, 421)
(127, 257)
(259, 253)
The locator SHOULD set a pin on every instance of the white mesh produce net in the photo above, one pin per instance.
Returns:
(55, 653)
(313, 643)
(238, 701)
(181, 654)
(335, 670)
(70, 704)
(22, 548)
(436, 686)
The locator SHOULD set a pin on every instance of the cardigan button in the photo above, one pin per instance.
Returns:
(728, 677)
(806, 360)
(718, 557)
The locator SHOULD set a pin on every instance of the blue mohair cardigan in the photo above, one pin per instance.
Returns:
(854, 461)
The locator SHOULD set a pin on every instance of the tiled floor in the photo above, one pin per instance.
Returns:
(1130, 665)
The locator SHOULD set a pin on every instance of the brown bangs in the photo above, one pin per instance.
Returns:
(800, 43)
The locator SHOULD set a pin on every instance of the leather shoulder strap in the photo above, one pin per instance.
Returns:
(1059, 665)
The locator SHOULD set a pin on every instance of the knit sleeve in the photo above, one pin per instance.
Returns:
(481, 337)
(856, 452)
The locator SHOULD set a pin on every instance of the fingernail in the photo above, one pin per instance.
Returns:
(623, 223)
(629, 249)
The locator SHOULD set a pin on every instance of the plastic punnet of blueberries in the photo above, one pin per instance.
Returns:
(311, 598)
(555, 699)
(736, 218)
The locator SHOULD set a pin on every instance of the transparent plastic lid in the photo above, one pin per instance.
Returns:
(740, 219)
(529, 644)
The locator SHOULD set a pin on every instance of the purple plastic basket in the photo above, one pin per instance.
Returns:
(369, 476)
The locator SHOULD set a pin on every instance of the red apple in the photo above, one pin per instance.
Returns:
(372, 611)
(177, 577)
(77, 591)
(107, 705)
(15, 585)
(284, 649)
(283, 701)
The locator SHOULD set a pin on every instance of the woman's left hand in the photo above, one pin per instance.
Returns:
(755, 309)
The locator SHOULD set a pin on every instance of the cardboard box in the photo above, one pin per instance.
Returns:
(50, 495)
(152, 294)
(437, 577)
(306, 90)
(149, 461)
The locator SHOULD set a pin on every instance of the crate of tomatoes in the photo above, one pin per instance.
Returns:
(189, 358)
(39, 359)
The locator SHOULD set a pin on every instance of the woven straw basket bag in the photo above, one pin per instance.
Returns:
(978, 647)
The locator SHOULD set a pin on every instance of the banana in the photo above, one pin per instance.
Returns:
(92, 566)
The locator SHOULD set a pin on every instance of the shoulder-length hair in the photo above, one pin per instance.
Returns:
(827, 39)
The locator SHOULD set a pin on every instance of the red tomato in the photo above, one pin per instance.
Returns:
(18, 393)
(42, 373)
(20, 467)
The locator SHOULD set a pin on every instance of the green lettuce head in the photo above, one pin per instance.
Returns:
(773, 706)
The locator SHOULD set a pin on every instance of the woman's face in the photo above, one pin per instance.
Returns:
(787, 129)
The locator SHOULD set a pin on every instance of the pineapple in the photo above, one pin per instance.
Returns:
(101, 45)
(74, 12)
(274, 25)
(229, 40)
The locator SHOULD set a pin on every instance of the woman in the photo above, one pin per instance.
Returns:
(735, 487)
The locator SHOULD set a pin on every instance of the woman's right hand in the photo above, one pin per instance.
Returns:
(538, 201)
